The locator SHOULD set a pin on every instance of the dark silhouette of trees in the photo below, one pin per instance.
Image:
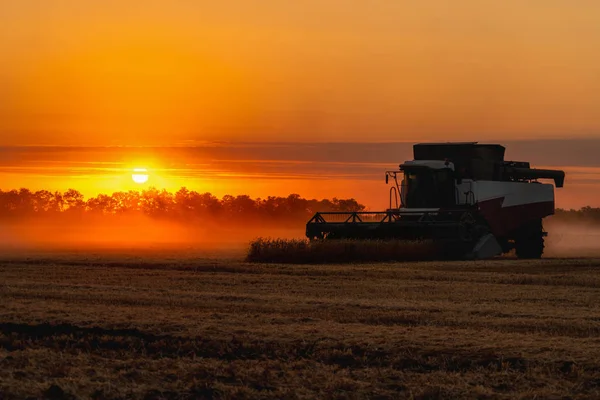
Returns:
(184, 205)
(190, 206)
(73, 201)
(585, 214)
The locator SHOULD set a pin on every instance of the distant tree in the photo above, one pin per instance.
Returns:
(73, 200)
(158, 203)
(101, 204)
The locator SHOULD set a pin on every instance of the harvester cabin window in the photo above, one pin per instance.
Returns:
(429, 188)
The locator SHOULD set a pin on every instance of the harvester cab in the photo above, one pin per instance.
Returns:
(424, 184)
(462, 196)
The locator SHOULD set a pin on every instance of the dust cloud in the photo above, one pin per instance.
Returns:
(144, 235)
(135, 233)
(572, 239)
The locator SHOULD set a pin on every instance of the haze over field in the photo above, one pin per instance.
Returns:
(201, 222)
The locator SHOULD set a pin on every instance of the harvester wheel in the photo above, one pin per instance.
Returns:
(529, 242)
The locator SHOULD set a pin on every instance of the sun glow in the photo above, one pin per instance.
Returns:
(140, 175)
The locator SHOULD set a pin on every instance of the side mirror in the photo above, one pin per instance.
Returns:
(387, 179)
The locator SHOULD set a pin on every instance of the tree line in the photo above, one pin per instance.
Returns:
(189, 205)
(585, 214)
(185, 205)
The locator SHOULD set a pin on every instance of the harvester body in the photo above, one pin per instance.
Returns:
(463, 196)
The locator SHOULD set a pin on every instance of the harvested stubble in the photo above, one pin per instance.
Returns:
(295, 251)
(190, 328)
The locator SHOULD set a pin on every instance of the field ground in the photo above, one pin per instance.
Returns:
(160, 326)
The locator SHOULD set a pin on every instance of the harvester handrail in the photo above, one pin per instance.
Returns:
(394, 195)
(392, 211)
(391, 215)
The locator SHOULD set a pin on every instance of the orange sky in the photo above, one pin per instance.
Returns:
(184, 72)
(139, 72)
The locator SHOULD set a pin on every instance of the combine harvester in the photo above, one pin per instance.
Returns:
(463, 197)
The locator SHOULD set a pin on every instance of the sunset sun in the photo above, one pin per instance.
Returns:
(140, 175)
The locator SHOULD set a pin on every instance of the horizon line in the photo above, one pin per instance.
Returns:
(222, 143)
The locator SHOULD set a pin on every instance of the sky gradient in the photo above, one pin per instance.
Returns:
(139, 72)
(191, 73)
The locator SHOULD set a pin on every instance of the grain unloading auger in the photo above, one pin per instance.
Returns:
(463, 197)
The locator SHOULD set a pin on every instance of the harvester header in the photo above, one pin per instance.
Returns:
(464, 196)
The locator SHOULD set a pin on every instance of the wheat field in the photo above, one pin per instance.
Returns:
(303, 251)
(177, 326)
